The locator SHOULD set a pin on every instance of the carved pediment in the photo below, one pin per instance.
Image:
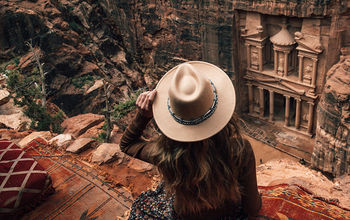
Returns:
(308, 42)
(275, 82)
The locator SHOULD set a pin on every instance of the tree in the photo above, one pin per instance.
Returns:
(42, 74)
(27, 93)
(107, 110)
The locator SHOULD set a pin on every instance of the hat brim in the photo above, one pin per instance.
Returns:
(190, 133)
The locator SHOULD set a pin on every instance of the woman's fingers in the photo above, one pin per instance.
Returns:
(145, 101)
(141, 99)
(151, 95)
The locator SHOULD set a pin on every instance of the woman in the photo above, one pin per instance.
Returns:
(208, 169)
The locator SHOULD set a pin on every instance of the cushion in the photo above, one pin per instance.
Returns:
(23, 182)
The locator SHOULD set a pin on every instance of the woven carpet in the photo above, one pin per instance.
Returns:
(288, 202)
(80, 192)
(23, 182)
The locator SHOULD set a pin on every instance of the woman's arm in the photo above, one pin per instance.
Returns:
(251, 200)
(131, 142)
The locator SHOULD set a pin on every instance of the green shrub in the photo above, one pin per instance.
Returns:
(123, 108)
(82, 80)
(101, 137)
(26, 93)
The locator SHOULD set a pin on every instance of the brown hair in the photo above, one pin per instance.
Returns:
(203, 174)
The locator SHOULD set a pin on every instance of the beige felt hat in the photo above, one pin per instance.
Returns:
(194, 101)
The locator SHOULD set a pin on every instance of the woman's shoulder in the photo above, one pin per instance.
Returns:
(247, 151)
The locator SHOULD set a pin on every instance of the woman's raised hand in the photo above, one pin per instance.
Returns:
(144, 103)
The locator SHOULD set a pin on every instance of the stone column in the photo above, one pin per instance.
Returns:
(271, 105)
(261, 101)
(248, 56)
(275, 52)
(250, 98)
(311, 117)
(314, 70)
(287, 109)
(260, 59)
(297, 115)
(301, 63)
(285, 63)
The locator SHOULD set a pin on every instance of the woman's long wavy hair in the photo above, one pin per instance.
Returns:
(203, 174)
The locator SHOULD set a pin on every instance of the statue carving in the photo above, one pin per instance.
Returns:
(255, 59)
(307, 73)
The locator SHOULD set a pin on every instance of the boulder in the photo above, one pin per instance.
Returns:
(61, 140)
(79, 124)
(94, 131)
(290, 172)
(80, 145)
(46, 135)
(13, 117)
(139, 165)
(106, 153)
(4, 96)
(11, 134)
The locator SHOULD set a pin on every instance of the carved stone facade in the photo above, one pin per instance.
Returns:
(282, 70)
(287, 50)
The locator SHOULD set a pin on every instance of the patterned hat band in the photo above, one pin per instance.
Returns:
(201, 118)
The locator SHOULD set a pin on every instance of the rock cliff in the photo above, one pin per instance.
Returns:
(133, 43)
(331, 153)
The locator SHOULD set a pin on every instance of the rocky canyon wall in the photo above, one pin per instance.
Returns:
(162, 34)
(331, 153)
(133, 43)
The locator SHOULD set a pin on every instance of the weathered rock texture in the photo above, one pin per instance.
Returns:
(286, 171)
(79, 124)
(133, 43)
(78, 41)
(295, 8)
(106, 153)
(80, 145)
(13, 117)
(332, 150)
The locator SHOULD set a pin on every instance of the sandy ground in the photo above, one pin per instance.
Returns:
(264, 153)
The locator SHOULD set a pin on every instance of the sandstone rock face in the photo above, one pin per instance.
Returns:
(80, 145)
(46, 135)
(290, 172)
(331, 153)
(289, 8)
(13, 117)
(11, 134)
(139, 165)
(135, 43)
(79, 124)
(106, 153)
(4, 96)
(76, 47)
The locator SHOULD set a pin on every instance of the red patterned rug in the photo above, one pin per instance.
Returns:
(23, 182)
(288, 202)
(80, 192)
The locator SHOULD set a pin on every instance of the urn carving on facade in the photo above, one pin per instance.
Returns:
(284, 56)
